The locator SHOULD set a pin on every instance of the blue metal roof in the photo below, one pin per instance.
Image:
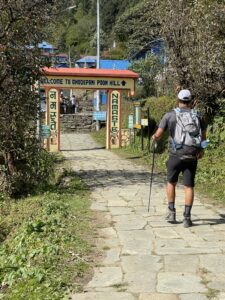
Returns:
(114, 64)
(106, 63)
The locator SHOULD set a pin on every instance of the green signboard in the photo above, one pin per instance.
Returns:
(45, 131)
(131, 122)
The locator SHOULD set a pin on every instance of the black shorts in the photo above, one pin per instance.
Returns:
(176, 165)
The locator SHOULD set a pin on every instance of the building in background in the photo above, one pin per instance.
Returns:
(109, 64)
(155, 47)
(50, 52)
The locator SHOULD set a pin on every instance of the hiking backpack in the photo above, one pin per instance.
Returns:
(187, 130)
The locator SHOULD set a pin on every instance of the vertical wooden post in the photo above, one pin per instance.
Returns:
(59, 127)
(149, 136)
(53, 119)
(108, 120)
(120, 120)
(114, 120)
(142, 138)
(47, 115)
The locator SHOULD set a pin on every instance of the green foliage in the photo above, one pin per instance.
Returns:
(194, 34)
(22, 24)
(159, 106)
(35, 168)
(110, 10)
(212, 166)
(148, 71)
(116, 53)
(136, 27)
(45, 235)
(76, 28)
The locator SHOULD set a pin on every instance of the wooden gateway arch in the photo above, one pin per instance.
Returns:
(114, 81)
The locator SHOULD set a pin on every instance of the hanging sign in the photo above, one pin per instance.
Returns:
(53, 119)
(99, 116)
(144, 122)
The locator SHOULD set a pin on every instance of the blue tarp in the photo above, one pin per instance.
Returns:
(45, 45)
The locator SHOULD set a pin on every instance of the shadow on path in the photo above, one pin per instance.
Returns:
(77, 150)
(107, 178)
(210, 221)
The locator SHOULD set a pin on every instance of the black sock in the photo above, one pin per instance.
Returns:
(187, 210)
(171, 206)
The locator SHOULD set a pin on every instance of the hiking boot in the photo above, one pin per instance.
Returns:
(187, 221)
(171, 216)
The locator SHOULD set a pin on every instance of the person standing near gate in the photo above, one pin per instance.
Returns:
(187, 132)
(74, 104)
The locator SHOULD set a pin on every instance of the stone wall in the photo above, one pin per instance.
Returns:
(127, 135)
(79, 122)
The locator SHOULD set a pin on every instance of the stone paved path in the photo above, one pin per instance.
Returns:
(145, 257)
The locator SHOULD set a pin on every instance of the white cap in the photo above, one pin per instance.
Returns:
(184, 95)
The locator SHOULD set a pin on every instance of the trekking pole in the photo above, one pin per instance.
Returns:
(151, 178)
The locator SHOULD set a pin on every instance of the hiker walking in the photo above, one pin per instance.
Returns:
(187, 132)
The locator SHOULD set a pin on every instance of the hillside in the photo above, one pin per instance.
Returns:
(76, 28)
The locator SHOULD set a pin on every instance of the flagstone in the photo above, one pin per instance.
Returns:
(181, 263)
(193, 297)
(171, 282)
(103, 296)
(106, 276)
(158, 297)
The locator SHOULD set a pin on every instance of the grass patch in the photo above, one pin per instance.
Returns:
(100, 136)
(120, 287)
(44, 250)
(211, 294)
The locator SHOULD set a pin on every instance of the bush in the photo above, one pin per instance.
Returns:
(158, 107)
(34, 168)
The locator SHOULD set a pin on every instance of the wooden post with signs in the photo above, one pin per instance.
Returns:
(114, 120)
(53, 120)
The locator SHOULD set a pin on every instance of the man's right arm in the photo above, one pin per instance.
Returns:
(162, 127)
(158, 134)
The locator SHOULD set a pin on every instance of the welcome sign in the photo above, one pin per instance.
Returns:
(88, 83)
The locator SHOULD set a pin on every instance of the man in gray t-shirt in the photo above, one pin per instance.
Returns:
(183, 160)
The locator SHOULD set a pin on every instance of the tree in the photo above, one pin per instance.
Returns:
(148, 71)
(22, 24)
(137, 27)
(194, 33)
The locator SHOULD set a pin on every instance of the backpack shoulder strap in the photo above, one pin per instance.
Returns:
(195, 114)
(177, 110)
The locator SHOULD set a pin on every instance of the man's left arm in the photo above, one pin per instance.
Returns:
(200, 153)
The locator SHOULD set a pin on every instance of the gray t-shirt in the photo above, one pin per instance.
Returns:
(169, 122)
